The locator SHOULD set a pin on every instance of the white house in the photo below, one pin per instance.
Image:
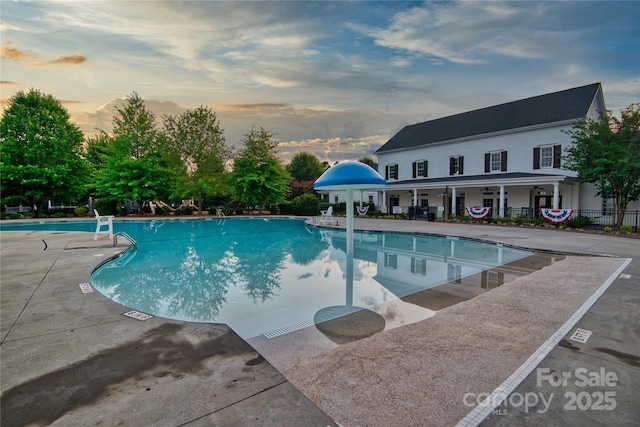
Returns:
(507, 157)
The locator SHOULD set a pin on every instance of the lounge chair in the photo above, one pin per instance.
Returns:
(326, 216)
(102, 221)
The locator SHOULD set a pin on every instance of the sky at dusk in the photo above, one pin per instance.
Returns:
(333, 78)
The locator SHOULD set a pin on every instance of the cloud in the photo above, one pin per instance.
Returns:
(69, 60)
(12, 53)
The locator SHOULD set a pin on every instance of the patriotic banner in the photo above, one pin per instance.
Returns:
(556, 216)
(477, 212)
(362, 210)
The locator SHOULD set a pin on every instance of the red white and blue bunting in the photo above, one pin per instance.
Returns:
(477, 212)
(556, 216)
(362, 210)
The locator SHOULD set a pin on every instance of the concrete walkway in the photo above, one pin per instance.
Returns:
(70, 358)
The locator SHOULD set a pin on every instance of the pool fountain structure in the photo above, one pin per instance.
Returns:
(347, 323)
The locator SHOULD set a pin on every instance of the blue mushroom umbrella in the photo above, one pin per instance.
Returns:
(350, 176)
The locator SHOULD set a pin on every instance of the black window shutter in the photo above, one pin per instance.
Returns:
(503, 161)
(487, 162)
(415, 168)
(557, 153)
(451, 166)
(386, 172)
(461, 165)
(425, 169)
(395, 171)
(536, 157)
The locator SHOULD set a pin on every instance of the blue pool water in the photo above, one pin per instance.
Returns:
(260, 275)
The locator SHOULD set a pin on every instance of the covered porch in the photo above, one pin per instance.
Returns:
(511, 194)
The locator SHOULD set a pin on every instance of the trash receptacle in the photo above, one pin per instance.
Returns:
(431, 216)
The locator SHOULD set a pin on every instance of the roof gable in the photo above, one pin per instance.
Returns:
(569, 104)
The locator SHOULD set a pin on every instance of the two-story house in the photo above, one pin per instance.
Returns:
(506, 156)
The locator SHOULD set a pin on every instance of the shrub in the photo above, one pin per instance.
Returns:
(286, 208)
(607, 229)
(104, 206)
(81, 211)
(538, 221)
(3, 215)
(305, 204)
(239, 211)
(15, 215)
(59, 215)
(184, 210)
(579, 221)
(28, 214)
(626, 229)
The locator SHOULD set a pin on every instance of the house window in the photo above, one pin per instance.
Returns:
(495, 162)
(335, 199)
(419, 266)
(391, 261)
(456, 165)
(391, 171)
(420, 169)
(371, 198)
(547, 156)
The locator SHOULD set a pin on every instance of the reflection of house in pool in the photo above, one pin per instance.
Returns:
(435, 272)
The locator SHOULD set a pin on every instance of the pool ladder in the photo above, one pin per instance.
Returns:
(126, 236)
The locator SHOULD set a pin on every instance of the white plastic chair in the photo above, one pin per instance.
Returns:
(326, 216)
(102, 221)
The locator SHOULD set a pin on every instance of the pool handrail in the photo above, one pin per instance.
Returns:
(126, 236)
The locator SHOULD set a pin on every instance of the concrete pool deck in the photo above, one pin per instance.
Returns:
(70, 358)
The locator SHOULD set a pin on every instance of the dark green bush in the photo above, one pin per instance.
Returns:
(305, 204)
(81, 211)
(104, 206)
(59, 215)
(184, 210)
(286, 209)
(579, 221)
(15, 215)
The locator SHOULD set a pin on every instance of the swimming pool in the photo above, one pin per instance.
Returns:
(270, 275)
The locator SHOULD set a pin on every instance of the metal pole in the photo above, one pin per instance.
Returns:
(350, 221)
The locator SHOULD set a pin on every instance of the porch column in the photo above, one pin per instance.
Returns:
(383, 205)
(501, 211)
(454, 205)
(556, 195)
(415, 197)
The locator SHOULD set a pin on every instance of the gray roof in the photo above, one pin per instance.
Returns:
(569, 104)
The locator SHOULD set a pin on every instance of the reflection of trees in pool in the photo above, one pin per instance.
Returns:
(190, 276)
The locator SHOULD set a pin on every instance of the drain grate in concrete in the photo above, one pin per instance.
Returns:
(581, 335)
(137, 315)
(286, 329)
(86, 288)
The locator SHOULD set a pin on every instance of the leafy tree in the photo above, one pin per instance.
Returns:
(606, 153)
(368, 161)
(305, 167)
(136, 161)
(258, 177)
(198, 140)
(40, 152)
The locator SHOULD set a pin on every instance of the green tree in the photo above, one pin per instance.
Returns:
(606, 153)
(258, 177)
(198, 141)
(136, 161)
(41, 152)
(304, 169)
(369, 161)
